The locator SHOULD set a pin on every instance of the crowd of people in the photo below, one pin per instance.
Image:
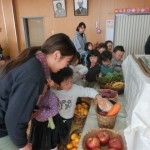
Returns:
(43, 84)
(99, 60)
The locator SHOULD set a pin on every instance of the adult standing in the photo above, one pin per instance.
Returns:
(147, 46)
(79, 39)
(22, 82)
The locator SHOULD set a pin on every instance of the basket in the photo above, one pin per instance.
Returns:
(74, 144)
(112, 99)
(105, 121)
(80, 119)
(94, 132)
(120, 91)
(109, 86)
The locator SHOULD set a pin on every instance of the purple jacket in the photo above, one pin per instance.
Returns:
(47, 106)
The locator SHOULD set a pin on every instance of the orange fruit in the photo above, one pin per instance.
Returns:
(73, 136)
(69, 146)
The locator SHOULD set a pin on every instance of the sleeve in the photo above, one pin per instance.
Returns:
(78, 46)
(86, 92)
(92, 73)
(21, 104)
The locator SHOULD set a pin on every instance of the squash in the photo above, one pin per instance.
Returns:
(114, 110)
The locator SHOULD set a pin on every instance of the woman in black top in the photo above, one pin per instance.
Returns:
(22, 82)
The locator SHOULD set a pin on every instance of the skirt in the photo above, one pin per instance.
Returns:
(44, 138)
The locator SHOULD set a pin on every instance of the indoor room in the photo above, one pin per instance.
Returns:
(74, 74)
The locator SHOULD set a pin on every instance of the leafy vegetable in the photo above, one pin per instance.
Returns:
(110, 77)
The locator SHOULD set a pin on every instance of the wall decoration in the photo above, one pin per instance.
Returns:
(80, 7)
(131, 10)
(59, 8)
(109, 30)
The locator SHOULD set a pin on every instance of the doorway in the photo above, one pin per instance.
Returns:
(34, 31)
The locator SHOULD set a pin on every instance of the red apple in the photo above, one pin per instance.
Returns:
(115, 143)
(93, 142)
(103, 137)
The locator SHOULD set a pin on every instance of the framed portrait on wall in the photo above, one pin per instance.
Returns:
(80, 7)
(59, 8)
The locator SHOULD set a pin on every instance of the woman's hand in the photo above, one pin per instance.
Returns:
(101, 101)
(28, 146)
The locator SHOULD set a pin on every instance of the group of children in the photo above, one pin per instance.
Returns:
(102, 60)
(52, 120)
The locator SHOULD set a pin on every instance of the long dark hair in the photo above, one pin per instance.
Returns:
(58, 41)
(81, 24)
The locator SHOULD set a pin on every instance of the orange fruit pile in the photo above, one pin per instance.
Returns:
(81, 109)
(74, 141)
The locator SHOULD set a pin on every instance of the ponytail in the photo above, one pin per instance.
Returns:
(23, 57)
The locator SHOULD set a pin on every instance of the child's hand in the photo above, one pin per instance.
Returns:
(52, 84)
(101, 101)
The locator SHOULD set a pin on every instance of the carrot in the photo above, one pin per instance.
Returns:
(114, 110)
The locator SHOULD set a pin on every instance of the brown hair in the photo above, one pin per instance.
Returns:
(58, 41)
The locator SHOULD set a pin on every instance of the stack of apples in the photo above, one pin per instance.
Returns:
(103, 140)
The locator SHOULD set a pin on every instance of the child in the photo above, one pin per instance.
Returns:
(109, 45)
(68, 93)
(88, 48)
(79, 70)
(102, 47)
(93, 68)
(118, 53)
(45, 123)
(106, 66)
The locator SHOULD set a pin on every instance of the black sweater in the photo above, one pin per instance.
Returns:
(92, 73)
(19, 91)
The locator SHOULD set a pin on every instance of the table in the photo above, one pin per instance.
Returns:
(137, 94)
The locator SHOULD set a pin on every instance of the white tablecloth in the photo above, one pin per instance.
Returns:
(137, 93)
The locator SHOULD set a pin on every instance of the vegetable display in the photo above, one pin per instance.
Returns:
(110, 77)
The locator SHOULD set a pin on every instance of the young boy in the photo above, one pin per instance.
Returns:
(68, 93)
(118, 53)
(106, 66)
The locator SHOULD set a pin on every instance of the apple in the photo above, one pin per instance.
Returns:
(92, 142)
(103, 137)
(115, 143)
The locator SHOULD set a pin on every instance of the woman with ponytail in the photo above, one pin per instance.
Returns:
(22, 81)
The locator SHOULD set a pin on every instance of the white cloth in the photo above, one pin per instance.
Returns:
(109, 105)
(77, 78)
(68, 99)
(137, 93)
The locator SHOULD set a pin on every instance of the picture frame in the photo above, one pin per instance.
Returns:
(80, 7)
(59, 7)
